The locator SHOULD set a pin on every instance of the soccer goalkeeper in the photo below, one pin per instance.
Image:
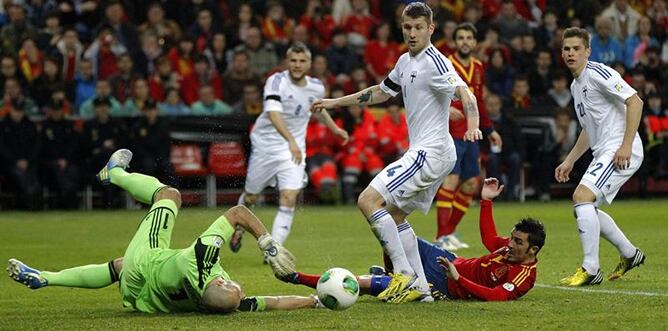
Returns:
(155, 278)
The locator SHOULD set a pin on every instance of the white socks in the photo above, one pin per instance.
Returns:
(282, 223)
(409, 243)
(386, 232)
(611, 232)
(590, 229)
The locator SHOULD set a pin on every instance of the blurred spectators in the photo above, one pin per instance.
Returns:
(251, 101)
(59, 148)
(511, 153)
(31, 60)
(381, 53)
(202, 75)
(14, 98)
(238, 75)
(102, 93)
(262, 55)
(181, 55)
(446, 43)
(48, 37)
(636, 45)
(277, 28)
(137, 100)
(162, 79)
(84, 83)
(124, 31)
(655, 123)
(150, 142)
(203, 29)
(70, 49)
(19, 151)
(102, 135)
(559, 95)
(172, 104)
(359, 24)
(520, 99)
(499, 75)
(319, 69)
(10, 70)
(215, 53)
(605, 47)
(623, 18)
(17, 30)
(360, 154)
(166, 30)
(321, 149)
(340, 58)
(104, 52)
(392, 132)
(49, 81)
(237, 29)
(509, 23)
(320, 22)
(208, 104)
(540, 76)
(122, 83)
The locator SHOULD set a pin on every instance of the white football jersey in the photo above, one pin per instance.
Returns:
(599, 94)
(294, 103)
(427, 81)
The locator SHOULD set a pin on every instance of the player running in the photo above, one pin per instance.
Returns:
(454, 196)
(278, 139)
(428, 83)
(609, 112)
(155, 278)
(507, 273)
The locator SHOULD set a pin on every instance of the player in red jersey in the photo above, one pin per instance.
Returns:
(507, 273)
(456, 192)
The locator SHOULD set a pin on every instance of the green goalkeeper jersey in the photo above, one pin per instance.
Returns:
(161, 279)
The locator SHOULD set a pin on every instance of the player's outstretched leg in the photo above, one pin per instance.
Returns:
(140, 186)
(26, 275)
(89, 276)
(629, 255)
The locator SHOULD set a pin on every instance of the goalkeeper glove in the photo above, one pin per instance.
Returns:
(282, 262)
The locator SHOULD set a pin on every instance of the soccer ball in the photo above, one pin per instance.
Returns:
(338, 289)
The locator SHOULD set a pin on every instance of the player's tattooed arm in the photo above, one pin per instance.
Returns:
(366, 97)
(470, 105)
(369, 96)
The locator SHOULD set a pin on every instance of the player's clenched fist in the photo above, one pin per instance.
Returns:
(281, 261)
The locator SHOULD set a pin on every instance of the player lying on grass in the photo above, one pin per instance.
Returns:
(507, 273)
(153, 277)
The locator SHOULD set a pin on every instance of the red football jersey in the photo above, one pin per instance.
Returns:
(491, 277)
(474, 76)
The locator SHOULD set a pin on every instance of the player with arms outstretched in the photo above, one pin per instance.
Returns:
(278, 139)
(456, 192)
(428, 83)
(507, 273)
(155, 278)
(609, 111)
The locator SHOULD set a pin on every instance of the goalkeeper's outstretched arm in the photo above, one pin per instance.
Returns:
(284, 302)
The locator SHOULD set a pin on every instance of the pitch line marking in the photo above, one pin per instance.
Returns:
(577, 289)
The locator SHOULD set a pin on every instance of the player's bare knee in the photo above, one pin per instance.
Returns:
(582, 194)
(169, 193)
(288, 198)
(450, 182)
(369, 201)
(470, 185)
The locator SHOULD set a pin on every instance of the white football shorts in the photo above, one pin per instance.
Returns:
(604, 179)
(411, 182)
(265, 169)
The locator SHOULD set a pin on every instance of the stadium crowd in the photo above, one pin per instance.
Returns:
(80, 79)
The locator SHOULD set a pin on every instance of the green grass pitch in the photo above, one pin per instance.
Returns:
(325, 237)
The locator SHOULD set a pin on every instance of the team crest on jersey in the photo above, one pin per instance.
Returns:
(413, 75)
(311, 99)
(619, 87)
(500, 271)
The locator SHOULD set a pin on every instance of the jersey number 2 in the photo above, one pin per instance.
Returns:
(581, 109)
